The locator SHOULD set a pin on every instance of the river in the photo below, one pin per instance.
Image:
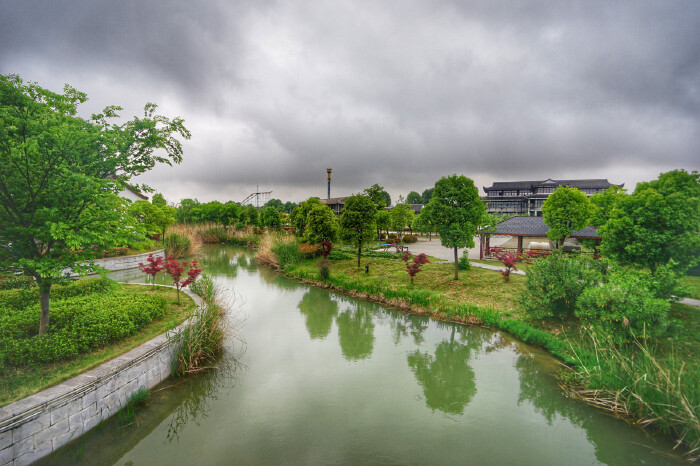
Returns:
(315, 377)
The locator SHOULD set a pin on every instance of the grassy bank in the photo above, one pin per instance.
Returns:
(19, 381)
(653, 382)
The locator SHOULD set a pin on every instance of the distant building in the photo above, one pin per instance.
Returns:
(130, 193)
(527, 197)
(335, 203)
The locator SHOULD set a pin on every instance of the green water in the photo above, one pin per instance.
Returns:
(314, 377)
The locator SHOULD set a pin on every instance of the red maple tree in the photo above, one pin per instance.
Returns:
(155, 265)
(175, 270)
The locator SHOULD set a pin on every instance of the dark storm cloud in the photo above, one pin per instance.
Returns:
(394, 93)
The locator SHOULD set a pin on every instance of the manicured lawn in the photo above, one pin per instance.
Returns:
(20, 382)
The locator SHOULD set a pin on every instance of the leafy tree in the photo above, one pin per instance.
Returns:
(423, 223)
(565, 210)
(657, 223)
(158, 200)
(401, 216)
(250, 215)
(603, 203)
(488, 225)
(414, 198)
(276, 203)
(60, 175)
(379, 196)
(229, 214)
(288, 207)
(270, 218)
(383, 221)
(321, 224)
(427, 194)
(455, 209)
(357, 221)
(184, 210)
(155, 218)
(299, 214)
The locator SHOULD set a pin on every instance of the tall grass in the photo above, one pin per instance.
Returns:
(278, 250)
(635, 382)
(216, 234)
(202, 338)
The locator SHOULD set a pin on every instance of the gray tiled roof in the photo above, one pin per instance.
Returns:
(593, 183)
(535, 226)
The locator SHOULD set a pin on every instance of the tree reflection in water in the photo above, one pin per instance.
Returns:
(220, 260)
(319, 309)
(446, 377)
(404, 324)
(356, 331)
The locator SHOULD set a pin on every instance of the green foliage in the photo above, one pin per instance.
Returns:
(184, 211)
(178, 245)
(214, 234)
(565, 210)
(414, 198)
(427, 195)
(357, 221)
(409, 239)
(554, 284)
(624, 307)
(464, 263)
(287, 253)
(270, 218)
(158, 200)
(13, 282)
(603, 204)
(204, 287)
(400, 217)
(455, 209)
(300, 214)
(79, 323)
(383, 219)
(378, 195)
(321, 224)
(658, 222)
(59, 195)
(154, 218)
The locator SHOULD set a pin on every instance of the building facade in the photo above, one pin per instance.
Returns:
(527, 197)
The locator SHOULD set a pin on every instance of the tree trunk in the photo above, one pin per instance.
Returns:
(44, 292)
(359, 252)
(456, 265)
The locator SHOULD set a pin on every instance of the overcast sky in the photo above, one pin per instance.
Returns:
(398, 93)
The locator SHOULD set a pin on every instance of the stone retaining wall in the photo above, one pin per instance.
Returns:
(122, 262)
(35, 426)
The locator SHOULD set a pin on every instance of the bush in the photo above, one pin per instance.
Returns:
(15, 282)
(178, 245)
(624, 308)
(309, 251)
(18, 299)
(286, 253)
(215, 234)
(463, 262)
(114, 252)
(409, 239)
(554, 284)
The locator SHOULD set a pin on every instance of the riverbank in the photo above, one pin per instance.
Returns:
(650, 394)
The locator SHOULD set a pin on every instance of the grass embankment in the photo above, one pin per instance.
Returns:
(653, 383)
(692, 285)
(17, 382)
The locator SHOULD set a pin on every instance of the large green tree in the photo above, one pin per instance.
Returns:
(155, 218)
(383, 221)
(270, 218)
(427, 194)
(321, 224)
(60, 174)
(379, 196)
(565, 210)
(603, 204)
(400, 217)
(657, 224)
(455, 209)
(357, 221)
(414, 198)
(300, 214)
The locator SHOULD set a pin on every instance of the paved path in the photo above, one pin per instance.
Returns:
(691, 302)
(435, 249)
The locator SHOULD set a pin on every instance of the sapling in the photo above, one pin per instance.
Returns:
(175, 270)
(155, 265)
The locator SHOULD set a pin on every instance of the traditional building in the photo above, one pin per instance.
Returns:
(335, 203)
(527, 197)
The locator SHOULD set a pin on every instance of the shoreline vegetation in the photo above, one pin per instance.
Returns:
(651, 383)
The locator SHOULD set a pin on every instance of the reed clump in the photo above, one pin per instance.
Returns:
(278, 250)
(202, 339)
(182, 240)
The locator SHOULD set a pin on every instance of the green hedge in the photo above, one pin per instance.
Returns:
(19, 298)
(78, 324)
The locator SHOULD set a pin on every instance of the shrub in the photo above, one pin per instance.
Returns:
(15, 282)
(178, 245)
(308, 251)
(215, 234)
(114, 252)
(409, 239)
(286, 253)
(463, 262)
(624, 307)
(554, 284)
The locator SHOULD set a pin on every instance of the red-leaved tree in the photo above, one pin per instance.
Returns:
(327, 247)
(509, 259)
(155, 265)
(175, 270)
(414, 266)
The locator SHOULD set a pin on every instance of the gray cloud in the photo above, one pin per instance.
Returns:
(396, 94)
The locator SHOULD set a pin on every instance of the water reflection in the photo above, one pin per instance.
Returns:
(403, 325)
(356, 331)
(220, 261)
(446, 376)
(319, 309)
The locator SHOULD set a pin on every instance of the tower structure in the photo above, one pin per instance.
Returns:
(329, 181)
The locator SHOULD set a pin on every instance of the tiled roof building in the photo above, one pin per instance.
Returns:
(527, 197)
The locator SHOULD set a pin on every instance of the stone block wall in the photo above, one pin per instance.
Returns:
(123, 262)
(35, 426)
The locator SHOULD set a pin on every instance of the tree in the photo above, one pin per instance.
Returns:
(455, 209)
(250, 215)
(658, 224)
(184, 210)
(229, 214)
(414, 198)
(357, 221)
(321, 224)
(175, 270)
(427, 194)
(401, 216)
(423, 223)
(379, 196)
(270, 218)
(158, 200)
(565, 210)
(488, 225)
(288, 207)
(155, 218)
(276, 203)
(60, 175)
(603, 203)
(299, 214)
(383, 220)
